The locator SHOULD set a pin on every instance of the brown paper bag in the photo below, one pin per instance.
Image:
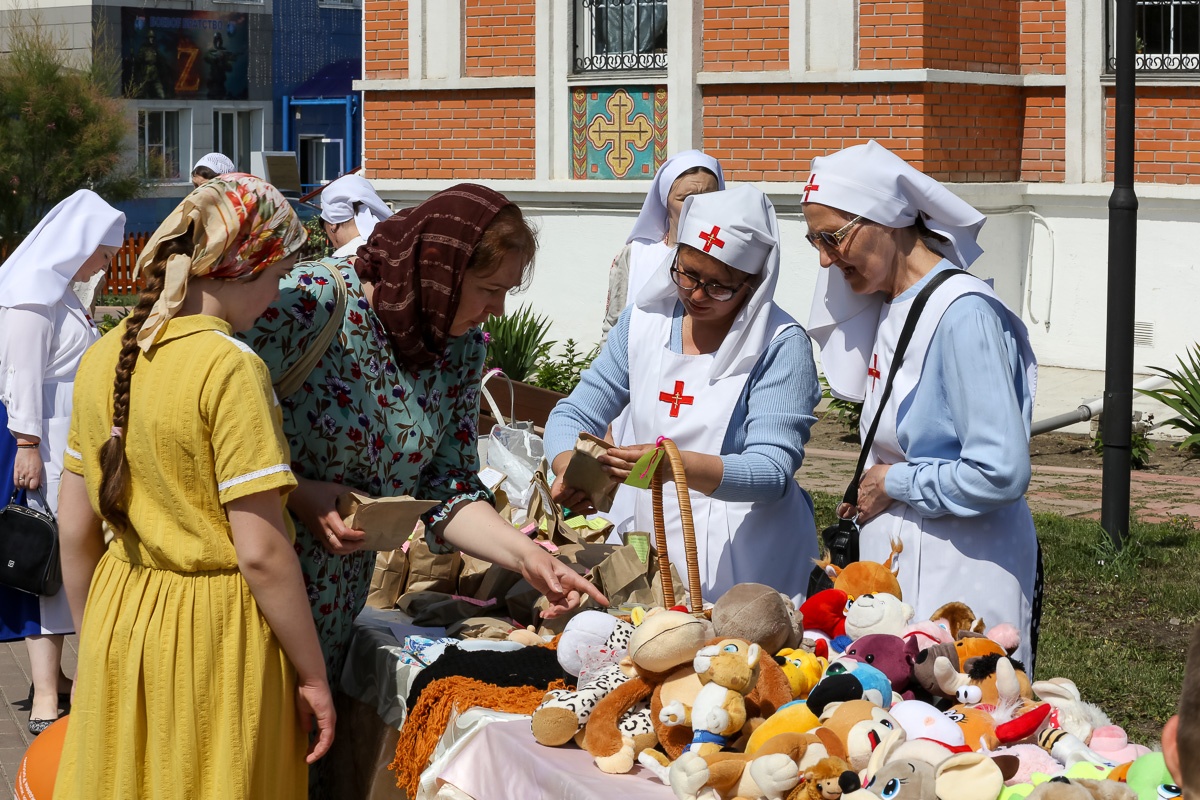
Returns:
(387, 582)
(430, 572)
(491, 628)
(628, 578)
(586, 473)
(472, 575)
(386, 521)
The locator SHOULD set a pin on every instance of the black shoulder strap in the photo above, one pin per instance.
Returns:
(906, 333)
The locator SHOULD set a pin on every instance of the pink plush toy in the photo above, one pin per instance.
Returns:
(1111, 742)
(1032, 758)
(927, 633)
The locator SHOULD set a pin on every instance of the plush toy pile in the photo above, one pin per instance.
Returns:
(847, 697)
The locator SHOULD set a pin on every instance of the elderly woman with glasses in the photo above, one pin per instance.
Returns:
(705, 356)
(949, 464)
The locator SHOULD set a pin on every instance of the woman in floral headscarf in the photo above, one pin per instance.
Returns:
(391, 407)
(196, 677)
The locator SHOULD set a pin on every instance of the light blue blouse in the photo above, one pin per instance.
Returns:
(965, 427)
(764, 441)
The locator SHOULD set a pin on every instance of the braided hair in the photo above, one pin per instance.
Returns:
(114, 471)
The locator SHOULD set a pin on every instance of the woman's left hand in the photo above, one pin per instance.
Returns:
(618, 461)
(873, 498)
(561, 585)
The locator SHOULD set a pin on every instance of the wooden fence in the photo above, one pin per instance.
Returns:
(121, 280)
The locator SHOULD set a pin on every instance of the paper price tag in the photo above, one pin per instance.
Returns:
(643, 471)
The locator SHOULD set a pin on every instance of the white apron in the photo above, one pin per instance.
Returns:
(74, 330)
(988, 562)
(670, 395)
(643, 260)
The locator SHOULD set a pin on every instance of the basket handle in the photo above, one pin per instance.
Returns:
(689, 530)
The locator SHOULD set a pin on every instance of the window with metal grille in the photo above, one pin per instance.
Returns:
(1168, 35)
(158, 144)
(620, 35)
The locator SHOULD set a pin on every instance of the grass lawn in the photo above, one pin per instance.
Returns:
(1117, 626)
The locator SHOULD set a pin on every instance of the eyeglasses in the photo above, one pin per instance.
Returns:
(832, 240)
(714, 291)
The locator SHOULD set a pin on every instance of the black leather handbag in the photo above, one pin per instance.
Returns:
(841, 539)
(29, 549)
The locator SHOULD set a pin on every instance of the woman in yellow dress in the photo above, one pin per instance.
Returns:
(196, 676)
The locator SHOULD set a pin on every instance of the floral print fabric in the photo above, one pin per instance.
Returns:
(364, 421)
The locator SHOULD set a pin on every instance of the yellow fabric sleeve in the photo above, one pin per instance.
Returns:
(245, 424)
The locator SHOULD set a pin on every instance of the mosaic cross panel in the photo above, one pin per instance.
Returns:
(618, 132)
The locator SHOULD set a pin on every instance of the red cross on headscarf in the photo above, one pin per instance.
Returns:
(677, 399)
(811, 186)
(710, 238)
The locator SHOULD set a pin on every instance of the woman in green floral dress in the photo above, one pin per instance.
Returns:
(391, 407)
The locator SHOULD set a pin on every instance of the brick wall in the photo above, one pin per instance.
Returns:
(470, 134)
(1167, 138)
(385, 38)
(499, 37)
(952, 132)
(1044, 145)
(890, 34)
(772, 132)
(1044, 36)
(972, 133)
(745, 37)
(978, 35)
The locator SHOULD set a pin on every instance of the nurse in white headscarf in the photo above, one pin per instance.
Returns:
(653, 236)
(350, 210)
(947, 471)
(706, 357)
(44, 331)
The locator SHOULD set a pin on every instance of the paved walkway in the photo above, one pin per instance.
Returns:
(1060, 490)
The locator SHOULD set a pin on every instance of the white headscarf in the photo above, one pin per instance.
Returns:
(651, 224)
(39, 272)
(738, 227)
(872, 181)
(217, 162)
(340, 196)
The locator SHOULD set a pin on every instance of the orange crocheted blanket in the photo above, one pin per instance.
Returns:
(428, 719)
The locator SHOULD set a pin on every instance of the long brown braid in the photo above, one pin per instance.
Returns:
(114, 471)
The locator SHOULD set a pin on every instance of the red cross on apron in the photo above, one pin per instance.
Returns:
(677, 399)
(873, 370)
(710, 239)
(811, 186)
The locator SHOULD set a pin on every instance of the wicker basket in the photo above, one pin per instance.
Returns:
(689, 531)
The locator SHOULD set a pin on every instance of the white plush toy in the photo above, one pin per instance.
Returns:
(877, 613)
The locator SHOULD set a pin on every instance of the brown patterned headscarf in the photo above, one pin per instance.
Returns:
(417, 259)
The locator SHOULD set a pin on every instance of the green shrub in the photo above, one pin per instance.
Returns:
(1182, 397)
(844, 412)
(562, 374)
(517, 342)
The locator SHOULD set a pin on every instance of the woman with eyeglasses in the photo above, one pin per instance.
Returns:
(705, 356)
(948, 468)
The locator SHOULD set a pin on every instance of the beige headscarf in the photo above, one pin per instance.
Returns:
(239, 224)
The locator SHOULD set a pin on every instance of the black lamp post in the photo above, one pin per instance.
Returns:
(1122, 271)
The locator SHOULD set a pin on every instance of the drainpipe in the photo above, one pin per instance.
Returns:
(1090, 409)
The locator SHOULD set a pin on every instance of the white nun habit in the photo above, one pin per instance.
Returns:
(338, 201)
(44, 331)
(988, 561)
(691, 398)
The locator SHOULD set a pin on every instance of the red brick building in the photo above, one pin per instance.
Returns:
(569, 105)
